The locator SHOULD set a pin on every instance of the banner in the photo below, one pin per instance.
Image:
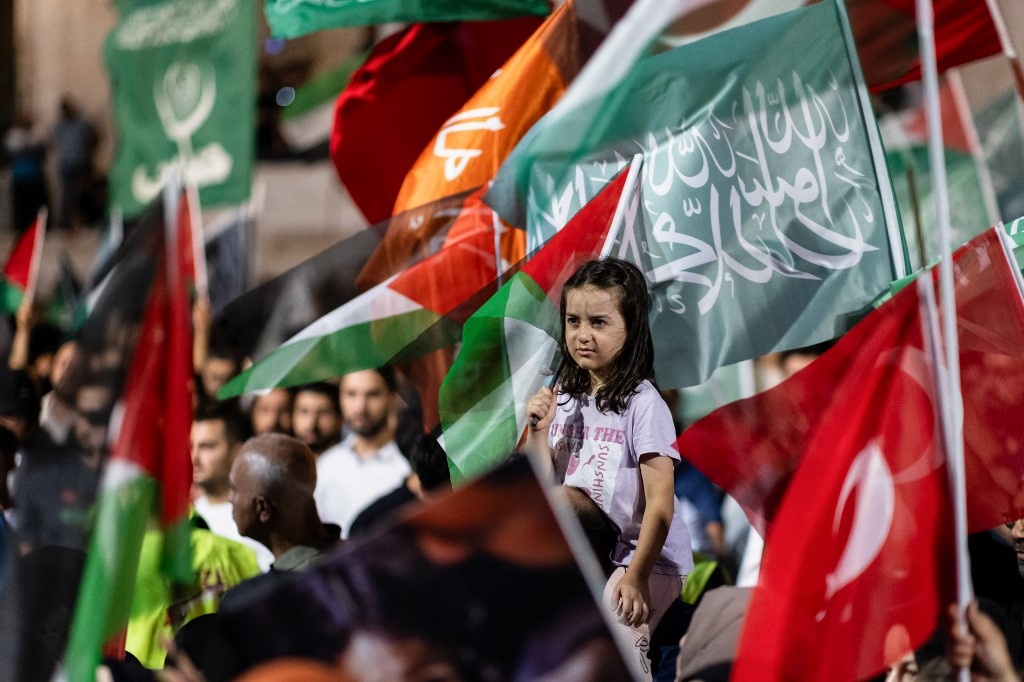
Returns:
(183, 77)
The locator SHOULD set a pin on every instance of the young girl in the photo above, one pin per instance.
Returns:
(609, 433)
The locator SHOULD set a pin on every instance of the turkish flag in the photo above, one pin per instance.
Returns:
(842, 466)
(410, 84)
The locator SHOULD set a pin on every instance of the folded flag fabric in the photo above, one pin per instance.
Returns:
(471, 145)
(292, 18)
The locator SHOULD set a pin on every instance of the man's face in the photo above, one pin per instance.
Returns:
(315, 421)
(212, 454)
(272, 412)
(366, 402)
(1017, 533)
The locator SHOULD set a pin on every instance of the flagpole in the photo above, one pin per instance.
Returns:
(952, 415)
(1006, 42)
(496, 227)
(172, 204)
(619, 218)
(195, 220)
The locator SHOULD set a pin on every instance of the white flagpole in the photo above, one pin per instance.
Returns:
(195, 220)
(498, 228)
(620, 217)
(952, 416)
(195, 217)
(172, 204)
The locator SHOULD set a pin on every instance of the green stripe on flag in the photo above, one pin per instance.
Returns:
(104, 601)
(506, 344)
(11, 296)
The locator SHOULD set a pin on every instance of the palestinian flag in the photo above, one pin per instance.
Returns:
(267, 316)
(22, 266)
(149, 470)
(513, 337)
(379, 326)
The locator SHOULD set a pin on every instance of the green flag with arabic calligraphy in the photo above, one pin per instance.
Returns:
(183, 76)
(766, 220)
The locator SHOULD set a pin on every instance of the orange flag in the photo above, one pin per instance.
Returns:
(467, 150)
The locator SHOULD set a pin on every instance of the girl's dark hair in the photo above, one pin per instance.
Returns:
(635, 362)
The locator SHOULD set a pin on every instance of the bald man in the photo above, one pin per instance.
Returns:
(271, 491)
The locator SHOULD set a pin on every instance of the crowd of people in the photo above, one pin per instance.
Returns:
(306, 541)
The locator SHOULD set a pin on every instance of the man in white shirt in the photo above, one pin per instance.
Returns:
(215, 440)
(368, 463)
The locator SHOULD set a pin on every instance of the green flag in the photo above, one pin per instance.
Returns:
(183, 76)
(291, 18)
(767, 219)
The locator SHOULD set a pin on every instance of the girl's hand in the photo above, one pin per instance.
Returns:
(540, 406)
(631, 600)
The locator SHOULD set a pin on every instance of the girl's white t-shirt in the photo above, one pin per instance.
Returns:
(600, 453)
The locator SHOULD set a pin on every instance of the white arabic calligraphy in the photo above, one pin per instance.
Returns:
(771, 189)
(211, 166)
(456, 159)
(184, 100)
